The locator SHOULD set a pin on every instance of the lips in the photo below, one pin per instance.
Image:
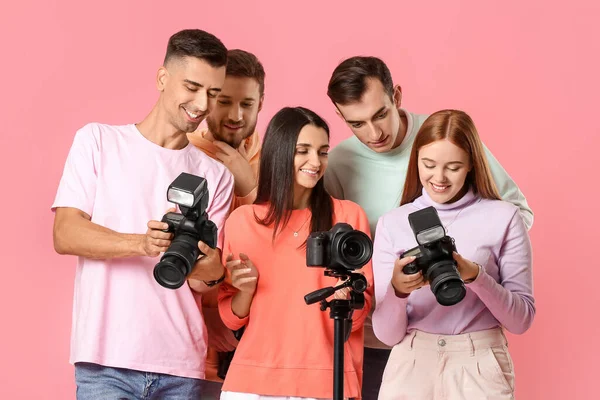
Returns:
(310, 172)
(439, 188)
(193, 116)
(380, 143)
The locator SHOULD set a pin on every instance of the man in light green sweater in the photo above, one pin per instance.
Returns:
(370, 167)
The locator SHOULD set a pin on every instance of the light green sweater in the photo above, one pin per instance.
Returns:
(375, 180)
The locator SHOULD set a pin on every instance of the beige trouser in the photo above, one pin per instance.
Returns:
(470, 366)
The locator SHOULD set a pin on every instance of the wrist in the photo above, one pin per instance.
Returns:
(136, 244)
(474, 275)
(217, 279)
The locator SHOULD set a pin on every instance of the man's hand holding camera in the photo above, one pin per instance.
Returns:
(208, 267)
(156, 240)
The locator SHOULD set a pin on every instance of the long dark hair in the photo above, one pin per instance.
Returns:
(276, 176)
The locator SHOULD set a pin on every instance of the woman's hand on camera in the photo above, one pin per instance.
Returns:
(156, 241)
(468, 270)
(342, 294)
(244, 275)
(402, 283)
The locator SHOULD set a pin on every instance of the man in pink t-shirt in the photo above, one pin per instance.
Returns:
(131, 337)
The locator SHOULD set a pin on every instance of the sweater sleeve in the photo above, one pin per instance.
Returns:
(510, 301)
(227, 291)
(390, 318)
(509, 191)
(359, 316)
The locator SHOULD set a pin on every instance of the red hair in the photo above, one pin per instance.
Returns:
(457, 127)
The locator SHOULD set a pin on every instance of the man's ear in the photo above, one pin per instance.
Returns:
(162, 75)
(339, 113)
(260, 102)
(397, 96)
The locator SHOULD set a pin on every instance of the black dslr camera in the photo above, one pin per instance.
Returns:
(340, 249)
(434, 257)
(192, 225)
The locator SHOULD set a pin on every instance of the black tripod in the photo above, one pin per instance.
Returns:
(341, 313)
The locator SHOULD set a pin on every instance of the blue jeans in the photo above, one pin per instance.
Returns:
(98, 382)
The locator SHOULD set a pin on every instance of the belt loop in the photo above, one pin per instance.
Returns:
(412, 339)
(472, 345)
(503, 337)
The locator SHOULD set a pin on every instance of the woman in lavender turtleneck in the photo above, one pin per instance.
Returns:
(459, 351)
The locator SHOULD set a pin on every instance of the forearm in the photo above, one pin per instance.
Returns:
(390, 319)
(240, 304)
(81, 237)
(514, 310)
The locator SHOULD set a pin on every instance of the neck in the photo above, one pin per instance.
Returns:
(401, 129)
(157, 129)
(209, 135)
(459, 195)
(301, 197)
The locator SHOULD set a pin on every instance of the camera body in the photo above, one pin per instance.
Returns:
(342, 248)
(434, 257)
(188, 227)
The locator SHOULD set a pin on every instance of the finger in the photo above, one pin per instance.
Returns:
(224, 147)
(415, 285)
(233, 265)
(172, 209)
(206, 249)
(242, 150)
(246, 260)
(243, 281)
(402, 262)
(157, 225)
(161, 243)
(412, 278)
(155, 234)
(229, 257)
(240, 272)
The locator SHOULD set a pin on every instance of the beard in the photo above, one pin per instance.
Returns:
(234, 140)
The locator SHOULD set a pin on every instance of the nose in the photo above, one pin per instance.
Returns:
(439, 175)
(201, 101)
(314, 159)
(374, 132)
(235, 113)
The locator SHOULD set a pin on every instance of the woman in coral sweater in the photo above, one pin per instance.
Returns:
(287, 346)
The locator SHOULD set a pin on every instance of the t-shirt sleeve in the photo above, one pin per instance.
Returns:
(219, 208)
(77, 187)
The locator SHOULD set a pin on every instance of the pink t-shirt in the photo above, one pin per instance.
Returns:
(121, 316)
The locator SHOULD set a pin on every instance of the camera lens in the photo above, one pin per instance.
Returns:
(355, 249)
(170, 272)
(177, 262)
(445, 283)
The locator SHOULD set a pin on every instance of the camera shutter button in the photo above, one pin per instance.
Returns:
(442, 342)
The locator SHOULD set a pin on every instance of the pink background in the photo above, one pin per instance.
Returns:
(525, 70)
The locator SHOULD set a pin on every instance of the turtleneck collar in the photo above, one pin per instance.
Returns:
(426, 201)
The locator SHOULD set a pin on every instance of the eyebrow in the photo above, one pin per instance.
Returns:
(245, 99)
(201, 85)
(382, 109)
(433, 161)
(310, 145)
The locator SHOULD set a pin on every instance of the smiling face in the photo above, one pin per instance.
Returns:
(310, 160)
(236, 111)
(189, 87)
(443, 169)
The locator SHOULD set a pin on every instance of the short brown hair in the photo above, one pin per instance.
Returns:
(199, 44)
(240, 63)
(457, 127)
(348, 81)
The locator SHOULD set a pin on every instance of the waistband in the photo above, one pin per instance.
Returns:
(448, 343)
